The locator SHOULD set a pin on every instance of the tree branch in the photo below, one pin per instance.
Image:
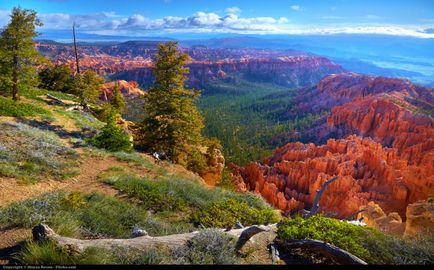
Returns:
(340, 255)
(315, 206)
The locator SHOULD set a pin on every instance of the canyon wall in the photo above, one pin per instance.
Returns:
(388, 160)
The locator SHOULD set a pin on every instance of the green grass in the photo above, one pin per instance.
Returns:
(368, 244)
(9, 107)
(92, 215)
(36, 93)
(32, 154)
(210, 207)
(47, 253)
(83, 120)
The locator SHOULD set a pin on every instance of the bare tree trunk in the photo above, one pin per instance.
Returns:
(15, 78)
(75, 51)
(315, 206)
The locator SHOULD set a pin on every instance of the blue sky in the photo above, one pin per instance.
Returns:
(150, 17)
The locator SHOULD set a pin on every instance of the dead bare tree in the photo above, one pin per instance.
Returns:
(315, 206)
(75, 51)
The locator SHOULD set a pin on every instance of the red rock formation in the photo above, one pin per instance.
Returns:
(128, 89)
(420, 219)
(390, 161)
(368, 172)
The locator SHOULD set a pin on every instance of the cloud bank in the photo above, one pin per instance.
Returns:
(110, 23)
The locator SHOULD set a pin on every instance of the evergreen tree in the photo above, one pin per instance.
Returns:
(172, 123)
(117, 101)
(18, 54)
(56, 78)
(87, 87)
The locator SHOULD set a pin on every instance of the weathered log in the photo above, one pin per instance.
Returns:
(56, 99)
(43, 232)
(315, 206)
(339, 255)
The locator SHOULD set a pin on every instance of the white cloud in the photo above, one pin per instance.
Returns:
(207, 22)
(233, 10)
(295, 7)
(283, 20)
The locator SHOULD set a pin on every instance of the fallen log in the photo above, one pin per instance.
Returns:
(43, 232)
(339, 255)
(56, 99)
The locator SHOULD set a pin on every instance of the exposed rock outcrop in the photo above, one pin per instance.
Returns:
(216, 163)
(367, 172)
(128, 89)
(420, 219)
(375, 217)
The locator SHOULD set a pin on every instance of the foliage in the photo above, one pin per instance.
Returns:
(208, 247)
(113, 108)
(366, 243)
(224, 213)
(47, 253)
(226, 180)
(112, 138)
(87, 87)
(32, 154)
(117, 101)
(251, 119)
(56, 78)
(196, 161)
(19, 109)
(213, 207)
(18, 54)
(172, 122)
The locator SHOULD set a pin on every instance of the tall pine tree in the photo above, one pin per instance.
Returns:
(18, 54)
(172, 123)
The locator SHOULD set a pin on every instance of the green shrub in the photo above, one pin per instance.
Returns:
(196, 161)
(47, 253)
(208, 247)
(214, 207)
(112, 138)
(225, 213)
(9, 107)
(151, 193)
(366, 243)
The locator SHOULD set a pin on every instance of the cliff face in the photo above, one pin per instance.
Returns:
(388, 160)
(299, 71)
(133, 61)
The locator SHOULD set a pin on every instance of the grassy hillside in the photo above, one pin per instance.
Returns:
(49, 173)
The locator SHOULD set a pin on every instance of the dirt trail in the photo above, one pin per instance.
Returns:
(12, 190)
